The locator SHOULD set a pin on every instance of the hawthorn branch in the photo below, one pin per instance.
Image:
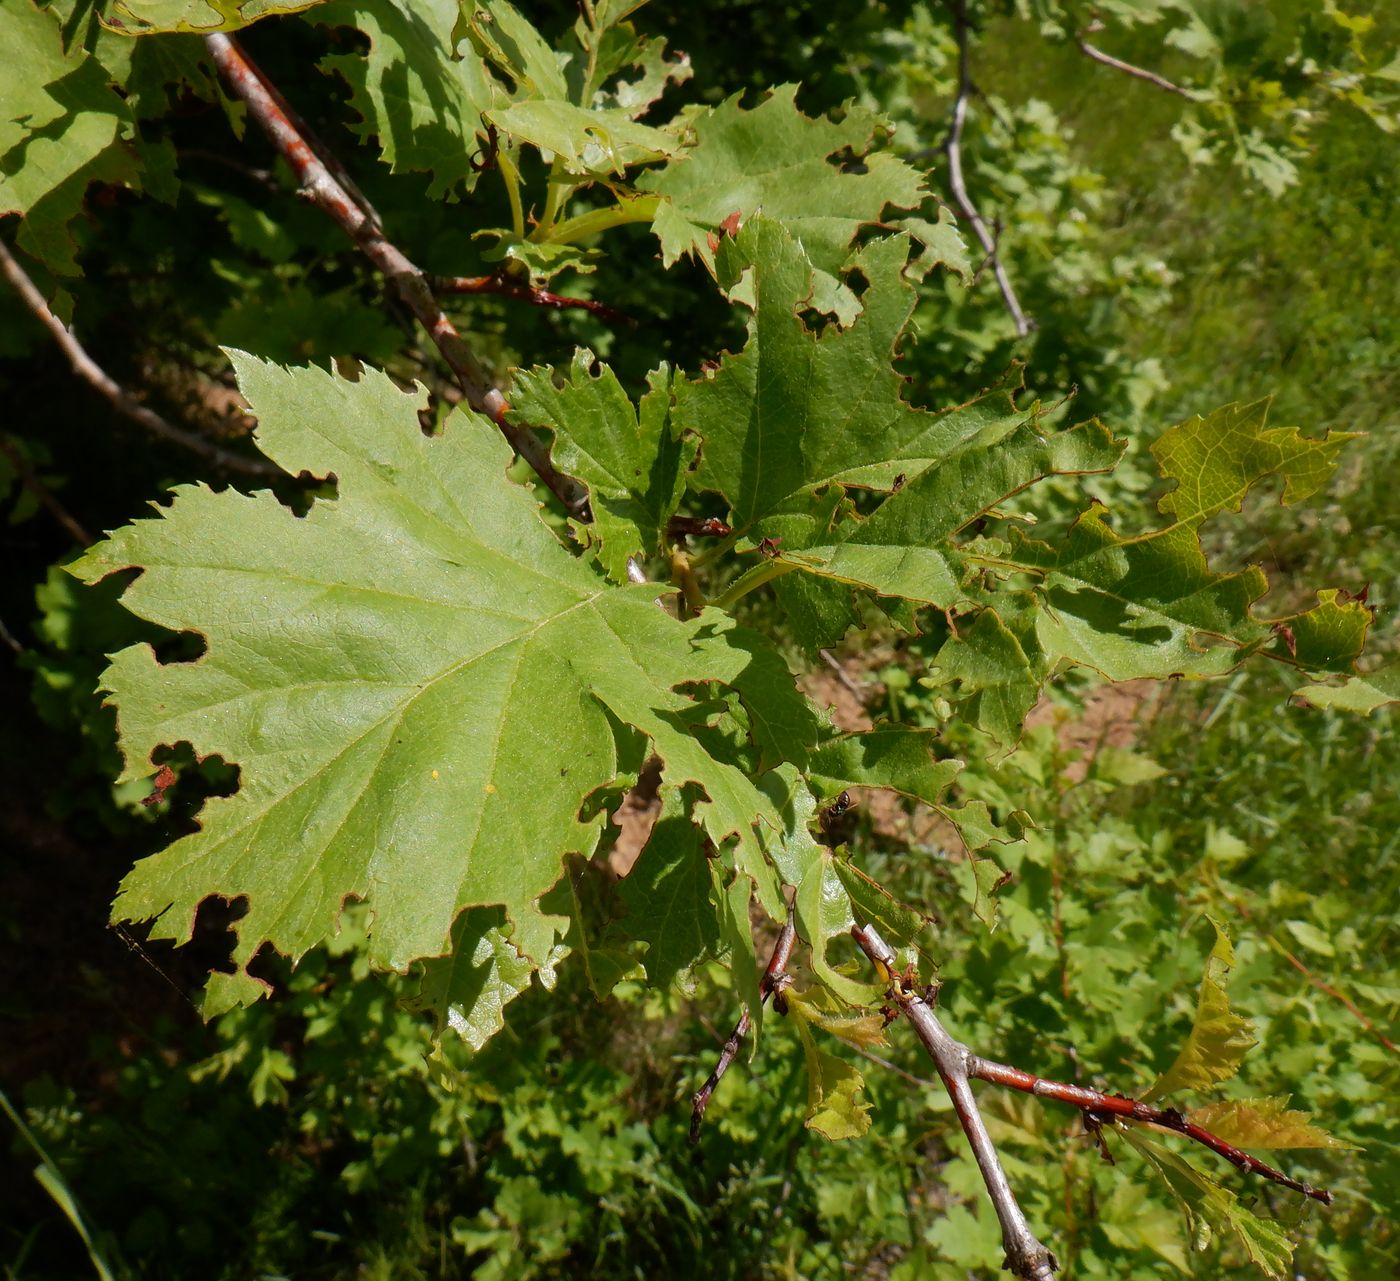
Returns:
(958, 184)
(121, 400)
(774, 978)
(1098, 1106)
(957, 1066)
(322, 188)
(497, 283)
(1026, 1257)
(1127, 68)
(29, 478)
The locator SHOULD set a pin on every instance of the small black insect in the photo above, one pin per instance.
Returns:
(837, 823)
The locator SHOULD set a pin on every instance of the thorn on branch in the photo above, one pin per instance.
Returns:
(775, 978)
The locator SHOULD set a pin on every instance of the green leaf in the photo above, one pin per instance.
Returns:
(890, 755)
(415, 680)
(1363, 693)
(833, 1110)
(628, 458)
(565, 121)
(62, 127)
(1141, 606)
(821, 903)
(901, 759)
(150, 17)
(1219, 1037)
(985, 668)
(667, 895)
(775, 160)
(1213, 1211)
(1330, 636)
(1263, 1124)
(587, 141)
(797, 409)
(468, 989)
(412, 93)
(1215, 460)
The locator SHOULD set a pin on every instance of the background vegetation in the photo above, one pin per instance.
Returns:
(313, 1135)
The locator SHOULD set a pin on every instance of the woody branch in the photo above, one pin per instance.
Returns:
(322, 186)
(957, 1066)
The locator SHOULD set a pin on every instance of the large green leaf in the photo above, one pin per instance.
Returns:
(803, 406)
(151, 17)
(416, 680)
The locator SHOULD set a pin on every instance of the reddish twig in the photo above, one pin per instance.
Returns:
(698, 526)
(1127, 68)
(322, 187)
(774, 977)
(1328, 990)
(957, 183)
(497, 283)
(29, 478)
(1026, 1258)
(96, 377)
(1097, 1106)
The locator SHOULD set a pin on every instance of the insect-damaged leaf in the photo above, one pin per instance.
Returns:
(415, 680)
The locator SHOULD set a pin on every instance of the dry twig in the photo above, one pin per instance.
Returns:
(958, 184)
(774, 977)
(96, 377)
(1127, 68)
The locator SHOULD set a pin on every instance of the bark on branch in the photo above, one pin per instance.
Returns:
(958, 183)
(355, 216)
(774, 978)
(117, 396)
(957, 1066)
(1026, 1257)
(1127, 68)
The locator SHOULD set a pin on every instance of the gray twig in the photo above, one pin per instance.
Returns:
(95, 376)
(958, 184)
(1026, 1257)
(1127, 68)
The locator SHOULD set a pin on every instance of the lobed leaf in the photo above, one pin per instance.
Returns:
(412, 93)
(416, 680)
(628, 459)
(1364, 693)
(62, 127)
(1263, 1124)
(776, 161)
(199, 17)
(1213, 1211)
(1215, 460)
